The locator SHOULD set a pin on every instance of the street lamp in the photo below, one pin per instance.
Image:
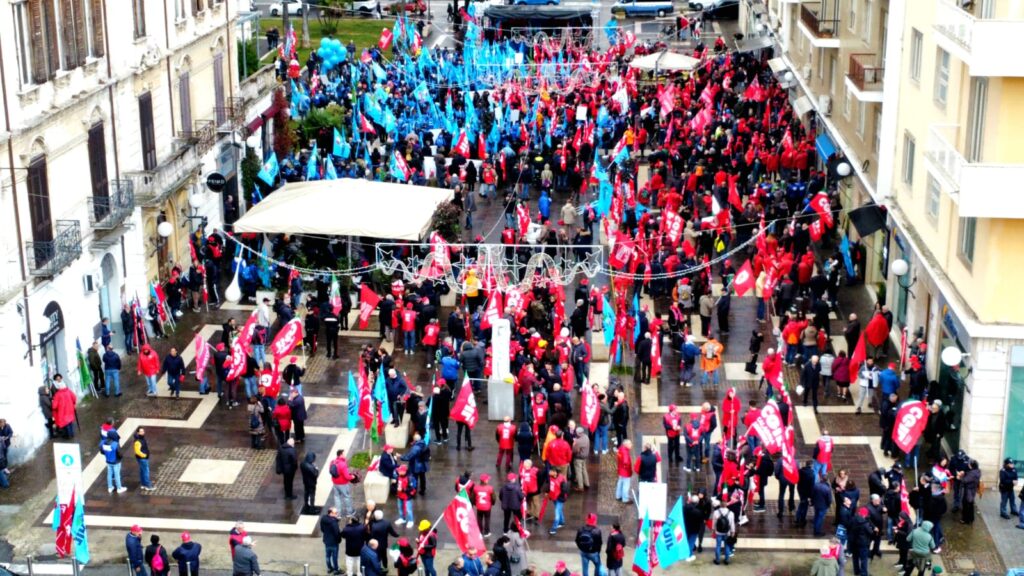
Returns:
(843, 169)
(165, 229)
(900, 268)
(952, 356)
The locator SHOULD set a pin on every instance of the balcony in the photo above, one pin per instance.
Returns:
(202, 135)
(48, 258)
(258, 84)
(823, 32)
(232, 114)
(107, 212)
(864, 79)
(980, 43)
(152, 187)
(979, 188)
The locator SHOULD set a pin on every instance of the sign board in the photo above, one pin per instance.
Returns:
(652, 500)
(581, 113)
(501, 335)
(67, 465)
(216, 182)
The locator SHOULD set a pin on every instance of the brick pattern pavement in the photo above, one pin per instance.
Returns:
(244, 487)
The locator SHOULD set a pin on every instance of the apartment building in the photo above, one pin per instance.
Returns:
(114, 115)
(956, 218)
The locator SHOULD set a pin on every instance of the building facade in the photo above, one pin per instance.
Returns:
(114, 115)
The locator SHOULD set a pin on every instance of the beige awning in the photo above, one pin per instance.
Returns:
(777, 65)
(346, 207)
(802, 105)
(666, 61)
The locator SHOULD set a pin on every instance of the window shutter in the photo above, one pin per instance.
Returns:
(52, 52)
(68, 40)
(195, 7)
(38, 41)
(39, 200)
(98, 160)
(81, 37)
(185, 98)
(146, 127)
(98, 39)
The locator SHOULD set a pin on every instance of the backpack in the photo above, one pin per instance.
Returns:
(619, 552)
(585, 540)
(334, 470)
(157, 562)
(254, 421)
(722, 525)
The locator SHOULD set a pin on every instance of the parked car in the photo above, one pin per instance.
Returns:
(536, 2)
(722, 10)
(295, 7)
(411, 7)
(633, 8)
(365, 7)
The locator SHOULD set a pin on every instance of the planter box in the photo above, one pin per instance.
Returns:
(398, 436)
(376, 487)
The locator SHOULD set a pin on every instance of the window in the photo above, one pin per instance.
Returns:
(877, 127)
(24, 44)
(909, 149)
(846, 103)
(39, 208)
(98, 170)
(38, 41)
(179, 10)
(932, 201)
(198, 6)
(851, 21)
(862, 119)
(867, 24)
(976, 109)
(139, 17)
(941, 77)
(218, 89)
(821, 62)
(185, 100)
(833, 70)
(146, 129)
(916, 45)
(968, 227)
(95, 27)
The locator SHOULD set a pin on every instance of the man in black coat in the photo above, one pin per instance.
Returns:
(693, 519)
(821, 499)
(297, 404)
(354, 535)
(331, 532)
(810, 376)
(287, 464)
(784, 485)
(370, 559)
(642, 372)
(511, 498)
(876, 514)
(310, 473)
(380, 530)
(859, 538)
(578, 320)
(804, 489)
(887, 421)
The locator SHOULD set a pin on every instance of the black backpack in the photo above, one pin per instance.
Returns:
(722, 525)
(585, 540)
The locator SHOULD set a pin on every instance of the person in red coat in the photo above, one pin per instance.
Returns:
(282, 416)
(624, 464)
(693, 434)
(559, 454)
(148, 366)
(672, 422)
(730, 414)
(64, 401)
(528, 481)
(484, 501)
(431, 332)
(505, 434)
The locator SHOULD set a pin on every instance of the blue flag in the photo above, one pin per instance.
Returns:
(341, 148)
(78, 533)
(430, 413)
(380, 394)
(353, 403)
(844, 247)
(611, 30)
(672, 545)
(607, 321)
(636, 317)
(268, 172)
(642, 554)
(313, 165)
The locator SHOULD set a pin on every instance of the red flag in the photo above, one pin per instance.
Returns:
(461, 520)
(368, 300)
(770, 280)
(590, 411)
(816, 230)
(63, 536)
(493, 310)
(744, 279)
(481, 146)
(385, 39)
(857, 358)
(789, 467)
(523, 218)
(770, 428)
(823, 207)
(655, 353)
(238, 360)
(904, 497)
(910, 422)
(673, 223)
(622, 252)
(245, 335)
(464, 410)
(286, 339)
(202, 355)
(734, 194)
(365, 401)
(877, 331)
(462, 145)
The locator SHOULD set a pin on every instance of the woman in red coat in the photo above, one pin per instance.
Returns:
(64, 401)
(730, 413)
(282, 416)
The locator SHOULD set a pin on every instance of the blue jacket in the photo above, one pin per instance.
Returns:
(690, 352)
(888, 381)
(473, 566)
(133, 544)
(544, 205)
(450, 369)
(111, 361)
(370, 562)
(109, 447)
(821, 496)
(417, 458)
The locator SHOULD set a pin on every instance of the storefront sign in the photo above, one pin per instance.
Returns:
(67, 465)
(953, 326)
(56, 316)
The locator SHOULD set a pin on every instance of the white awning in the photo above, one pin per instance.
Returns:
(347, 207)
(802, 105)
(777, 65)
(665, 60)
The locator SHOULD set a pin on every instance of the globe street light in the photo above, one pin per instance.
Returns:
(900, 268)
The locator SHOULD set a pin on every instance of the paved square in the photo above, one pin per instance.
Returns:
(203, 471)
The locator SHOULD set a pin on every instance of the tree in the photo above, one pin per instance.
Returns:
(284, 133)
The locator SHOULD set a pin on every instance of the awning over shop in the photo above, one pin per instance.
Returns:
(665, 60)
(777, 65)
(824, 146)
(802, 105)
(346, 207)
(753, 43)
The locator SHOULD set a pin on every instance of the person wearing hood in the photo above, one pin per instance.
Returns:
(110, 447)
(156, 557)
(64, 401)
(187, 556)
(310, 473)
(544, 205)
(901, 538)
(921, 547)
(859, 537)
(148, 366)
(970, 481)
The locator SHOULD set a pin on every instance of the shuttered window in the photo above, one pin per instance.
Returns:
(139, 17)
(96, 48)
(39, 200)
(45, 58)
(98, 160)
(22, 30)
(148, 134)
(218, 88)
(185, 98)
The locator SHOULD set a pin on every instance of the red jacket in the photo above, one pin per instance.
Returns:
(430, 332)
(557, 487)
(625, 462)
(283, 414)
(506, 435)
(484, 497)
(693, 433)
(672, 422)
(403, 489)
(559, 452)
(730, 412)
(149, 364)
(340, 465)
(528, 480)
(408, 320)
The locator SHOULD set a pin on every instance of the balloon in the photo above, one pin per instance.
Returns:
(342, 54)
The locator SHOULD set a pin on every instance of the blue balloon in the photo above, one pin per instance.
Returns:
(342, 54)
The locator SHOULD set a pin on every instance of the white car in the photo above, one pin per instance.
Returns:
(295, 7)
(365, 7)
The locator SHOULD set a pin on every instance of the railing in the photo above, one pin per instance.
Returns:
(232, 112)
(49, 257)
(863, 72)
(106, 212)
(955, 23)
(152, 187)
(942, 152)
(820, 27)
(258, 84)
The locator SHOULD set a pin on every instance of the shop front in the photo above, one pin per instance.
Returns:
(953, 381)
(1013, 439)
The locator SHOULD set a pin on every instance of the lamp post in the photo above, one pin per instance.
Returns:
(900, 268)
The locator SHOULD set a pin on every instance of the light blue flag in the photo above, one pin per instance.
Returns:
(353, 403)
(636, 317)
(430, 413)
(313, 165)
(642, 554)
(622, 155)
(672, 545)
(79, 535)
(844, 247)
(380, 393)
(56, 513)
(611, 30)
(268, 172)
(379, 72)
(330, 173)
(338, 146)
(604, 197)
(607, 321)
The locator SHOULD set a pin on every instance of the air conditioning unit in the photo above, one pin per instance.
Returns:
(825, 105)
(806, 71)
(90, 282)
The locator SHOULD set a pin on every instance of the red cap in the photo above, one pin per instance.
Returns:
(892, 365)
(403, 541)
(388, 447)
(136, 528)
(485, 477)
(220, 347)
(293, 359)
(560, 565)
(511, 477)
(862, 511)
(591, 519)
(186, 537)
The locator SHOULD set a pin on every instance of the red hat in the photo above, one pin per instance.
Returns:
(220, 347)
(591, 519)
(862, 512)
(560, 565)
(511, 477)
(671, 407)
(892, 365)
(922, 347)
(388, 447)
(403, 469)
(403, 541)
(485, 477)
(136, 528)
(293, 359)
(186, 537)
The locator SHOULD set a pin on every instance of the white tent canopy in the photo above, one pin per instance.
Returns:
(665, 60)
(346, 207)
